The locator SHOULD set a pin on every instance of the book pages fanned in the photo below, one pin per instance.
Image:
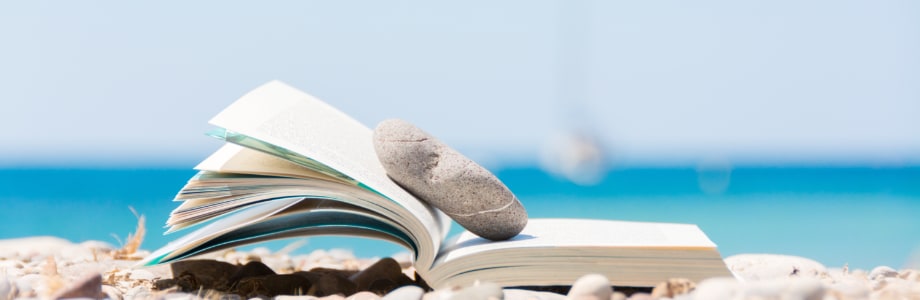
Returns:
(285, 117)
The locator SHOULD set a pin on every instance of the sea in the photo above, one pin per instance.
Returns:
(860, 217)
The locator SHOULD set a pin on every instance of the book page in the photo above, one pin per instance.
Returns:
(558, 251)
(285, 117)
(232, 158)
(574, 233)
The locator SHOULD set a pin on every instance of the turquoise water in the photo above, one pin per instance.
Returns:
(858, 216)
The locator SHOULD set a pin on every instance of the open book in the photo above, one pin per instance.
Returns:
(295, 166)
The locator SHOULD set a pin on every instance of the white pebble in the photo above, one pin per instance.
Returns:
(516, 294)
(717, 288)
(753, 267)
(591, 285)
(409, 292)
(7, 288)
(882, 272)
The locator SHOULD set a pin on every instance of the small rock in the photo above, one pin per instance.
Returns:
(25, 284)
(111, 292)
(251, 269)
(441, 294)
(516, 294)
(483, 291)
(754, 267)
(365, 295)
(7, 288)
(272, 285)
(882, 272)
(449, 181)
(332, 284)
(194, 274)
(591, 285)
(382, 277)
(717, 288)
(87, 287)
(409, 292)
(673, 287)
(909, 275)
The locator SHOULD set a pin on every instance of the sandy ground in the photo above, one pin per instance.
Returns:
(49, 267)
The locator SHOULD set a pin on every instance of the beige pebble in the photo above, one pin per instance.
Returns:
(673, 287)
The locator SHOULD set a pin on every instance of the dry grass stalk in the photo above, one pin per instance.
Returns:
(53, 280)
(133, 240)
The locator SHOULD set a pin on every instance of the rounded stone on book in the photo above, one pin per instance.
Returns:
(449, 181)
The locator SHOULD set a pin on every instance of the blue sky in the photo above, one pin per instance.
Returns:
(110, 82)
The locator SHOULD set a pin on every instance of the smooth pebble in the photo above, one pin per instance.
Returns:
(517, 294)
(449, 181)
(754, 267)
(365, 295)
(7, 288)
(409, 292)
(89, 286)
(882, 272)
(717, 288)
(591, 286)
(673, 287)
(481, 291)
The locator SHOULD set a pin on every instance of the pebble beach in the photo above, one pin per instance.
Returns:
(55, 268)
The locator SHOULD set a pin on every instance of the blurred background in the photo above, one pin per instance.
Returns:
(776, 126)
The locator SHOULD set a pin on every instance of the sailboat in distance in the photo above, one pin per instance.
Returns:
(575, 153)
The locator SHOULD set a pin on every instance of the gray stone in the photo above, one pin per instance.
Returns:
(409, 292)
(449, 181)
(481, 291)
(591, 286)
